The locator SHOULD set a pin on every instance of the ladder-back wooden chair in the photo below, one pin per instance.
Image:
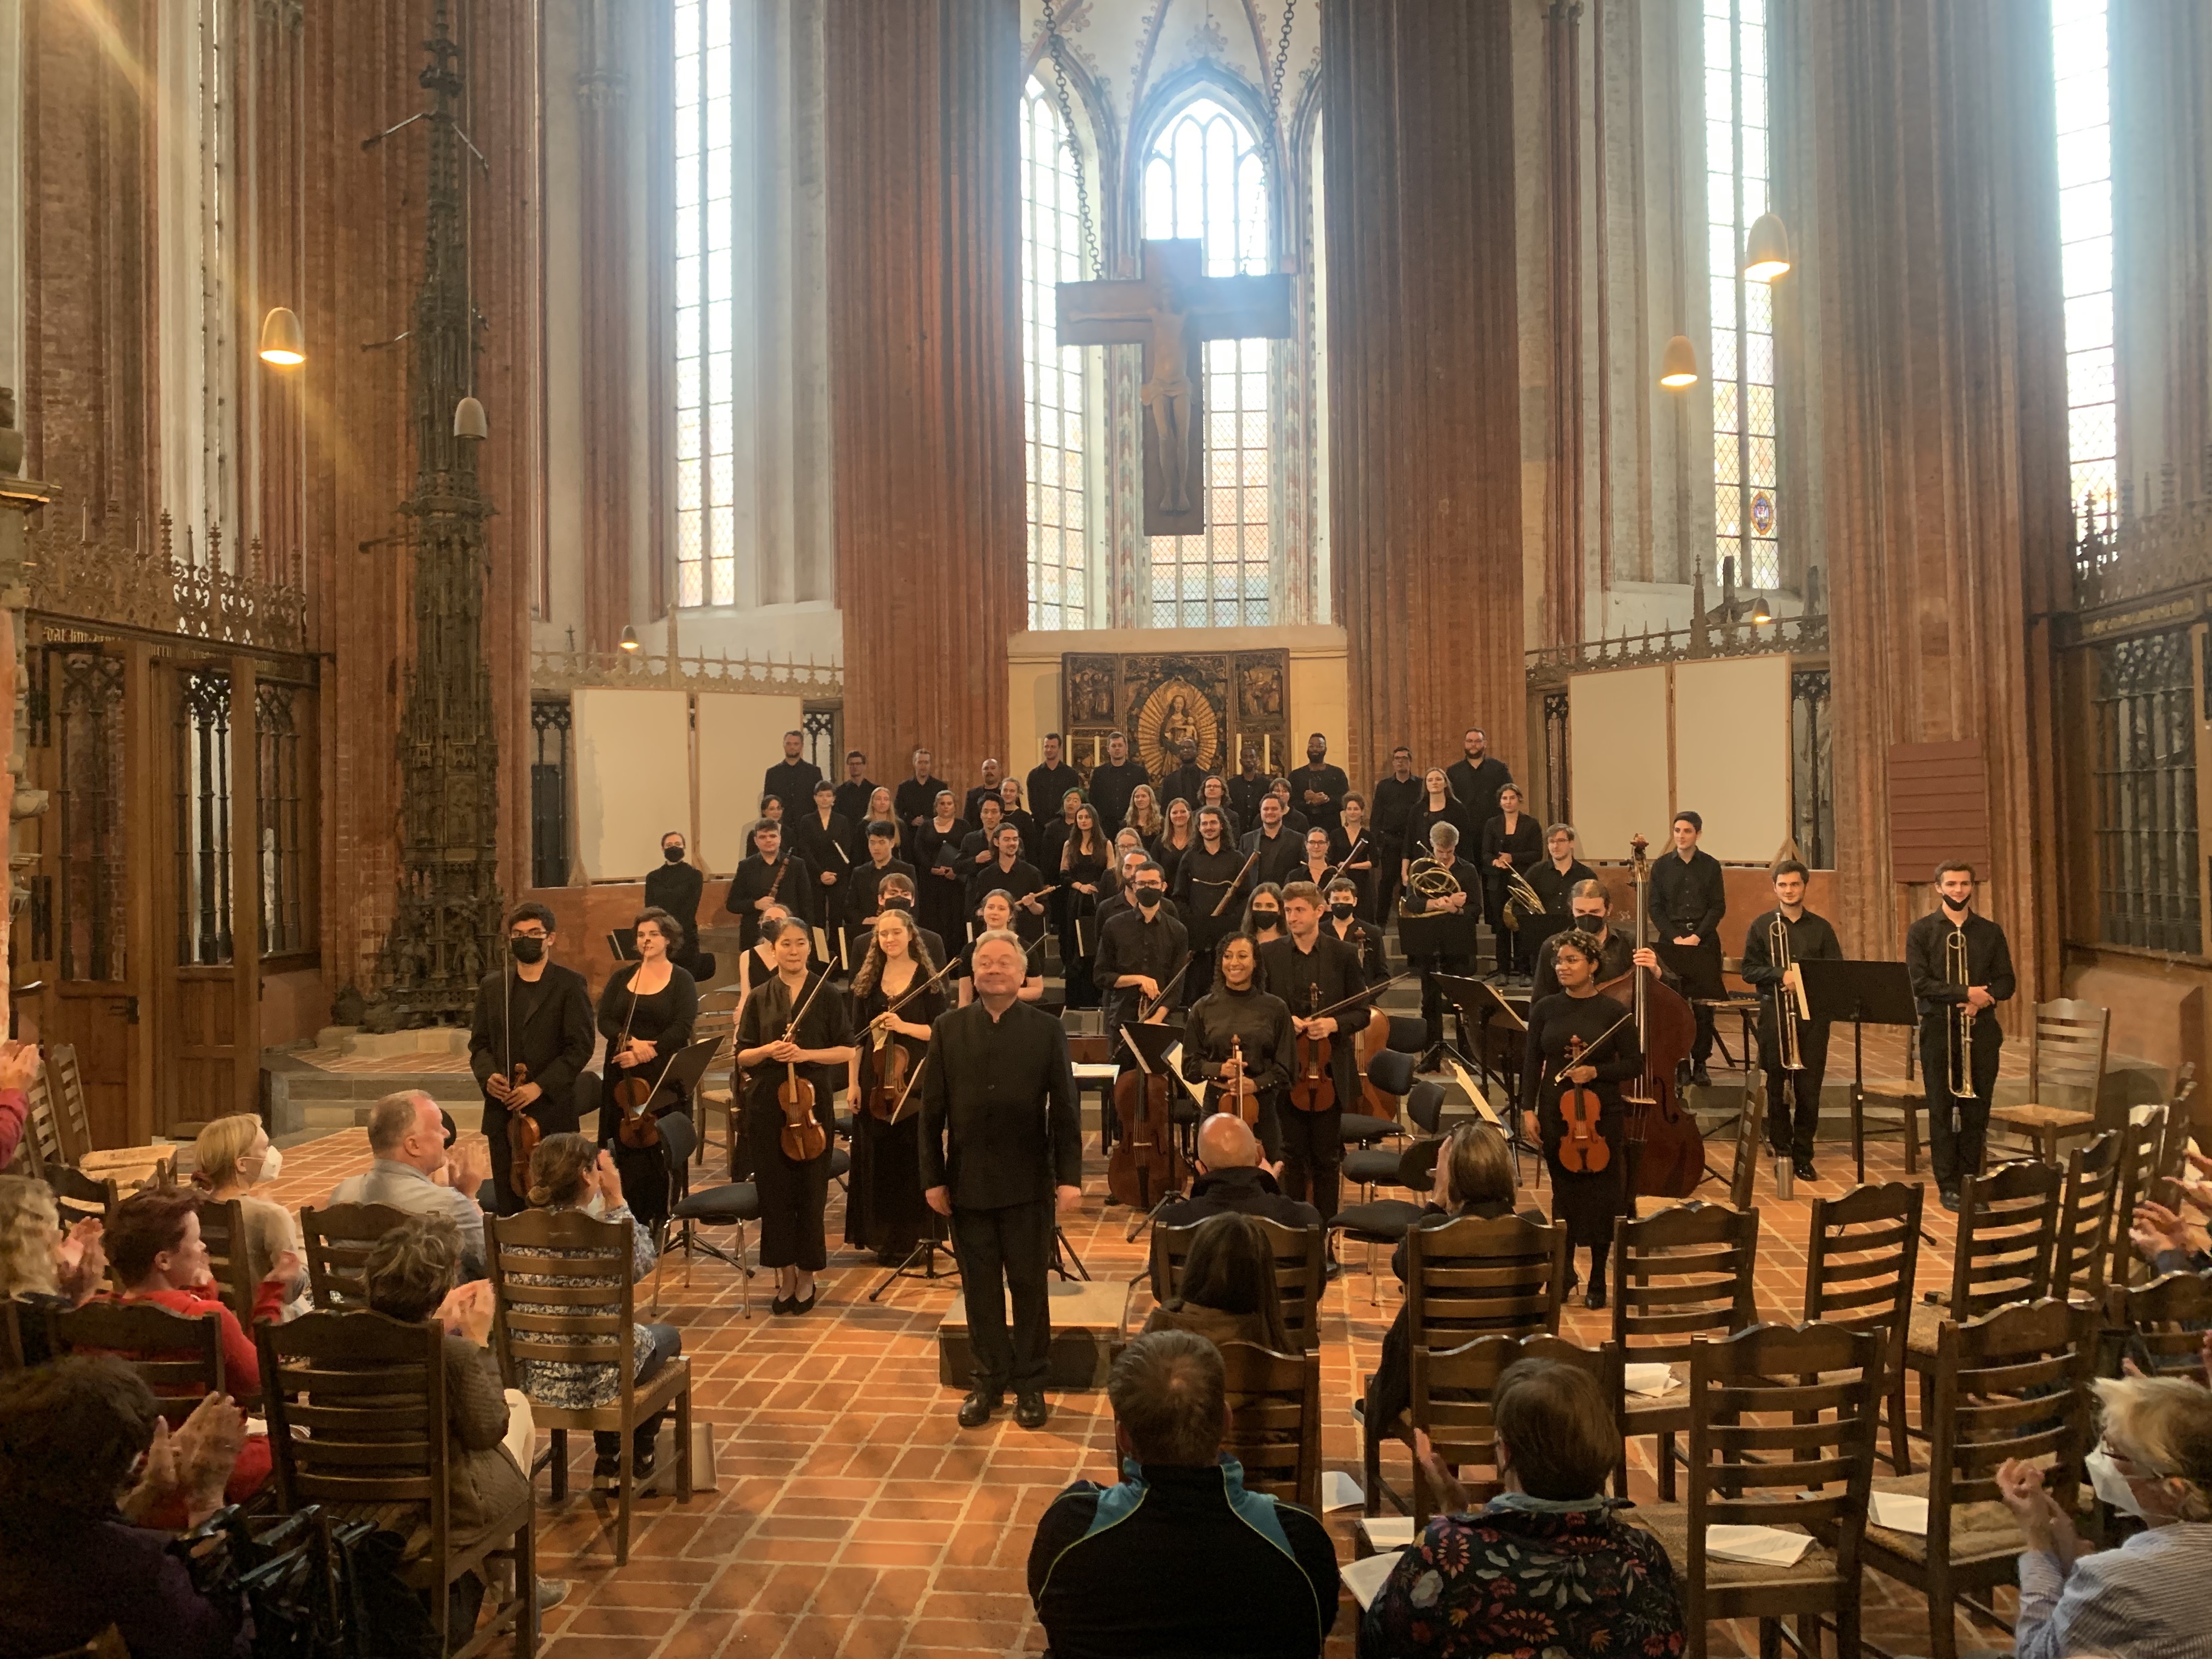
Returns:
(1452, 1392)
(2180, 1130)
(2141, 1140)
(72, 1115)
(337, 1239)
(178, 1355)
(1678, 1275)
(2085, 1215)
(223, 1229)
(1274, 1420)
(2170, 1315)
(2065, 1054)
(1301, 1256)
(1861, 1254)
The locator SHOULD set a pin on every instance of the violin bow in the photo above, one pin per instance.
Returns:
(1343, 865)
(912, 991)
(1155, 1004)
(1593, 1046)
(1361, 996)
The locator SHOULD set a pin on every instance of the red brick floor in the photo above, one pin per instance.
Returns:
(855, 1518)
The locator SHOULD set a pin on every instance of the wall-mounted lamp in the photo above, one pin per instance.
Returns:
(1759, 612)
(629, 641)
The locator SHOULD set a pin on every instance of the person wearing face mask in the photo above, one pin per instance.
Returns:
(2146, 1599)
(677, 886)
(1343, 921)
(231, 1158)
(1139, 950)
(531, 1038)
(1263, 916)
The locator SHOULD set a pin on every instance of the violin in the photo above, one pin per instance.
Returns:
(1581, 1148)
(1314, 1088)
(522, 1131)
(895, 1069)
(1239, 1094)
(802, 1137)
(637, 1128)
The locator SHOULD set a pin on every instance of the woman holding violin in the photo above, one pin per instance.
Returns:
(1236, 1028)
(893, 1000)
(1581, 1048)
(646, 1013)
(793, 1033)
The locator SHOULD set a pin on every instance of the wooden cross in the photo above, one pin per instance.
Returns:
(1172, 311)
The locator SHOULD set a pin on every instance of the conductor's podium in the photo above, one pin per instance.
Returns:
(1089, 1322)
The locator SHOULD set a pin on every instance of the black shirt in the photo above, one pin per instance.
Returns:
(1688, 896)
(1391, 805)
(999, 1122)
(1330, 780)
(1246, 791)
(677, 888)
(860, 887)
(1281, 855)
(969, 811)
(1989, 961)
(916, 800)
(1223, 1020)
(1201, 878)
(851, 801)
(552, 1027)
(791, 782)
(1186, 783)
(1810, 938)
(1047, 787)
(1477, 785)
(1018, 883)
(1128, 944)
(1243, 1191)
(1111, 786)
(1524, 843)
(825, 848)
(1556, 887)
(1614, 959)
(1332, 969)
(1365, 938)
(789, 880)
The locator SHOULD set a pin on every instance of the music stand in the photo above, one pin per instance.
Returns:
(1462, 991)
(1535, 929)
(1865, 994)
(678, 1082)
(622, 941)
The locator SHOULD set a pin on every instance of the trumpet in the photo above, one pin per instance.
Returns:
(1960, 1024)
(1790, 1004)
(1520, 900)
(1429, 881)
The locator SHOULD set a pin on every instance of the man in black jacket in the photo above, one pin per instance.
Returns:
(1248, 787)
(1230, 1176)
(854, 794)
(1689, 896)
(1955, 1146)
(1048, 784)
(1140, 950)
(993, 776)
(1179, 1558)
(1477, 777)
(1793, 1097)
(1281, 851)
(1395, 799)
(1311, 969)
(1112, 784)
(535, 1014)
(1318, 789)
(792, 780)
(915, 798)
(1001, 1147)
(1186, 782)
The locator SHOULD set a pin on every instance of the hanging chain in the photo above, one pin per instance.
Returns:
(1058, 47)
(1282, 64)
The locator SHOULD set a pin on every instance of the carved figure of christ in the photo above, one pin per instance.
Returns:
(1172, 309)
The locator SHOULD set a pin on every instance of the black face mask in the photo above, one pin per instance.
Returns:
(1149, 898)
(1266, 918)
(524, 948)
(673, 854)
(1341, 911)
(897, 902)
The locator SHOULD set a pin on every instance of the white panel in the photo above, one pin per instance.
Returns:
(1617, 759)
(741, 736)
(633, 778)
(1732, 753)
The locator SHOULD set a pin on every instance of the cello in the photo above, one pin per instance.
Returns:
(1666, 1148)
(1146, 1164)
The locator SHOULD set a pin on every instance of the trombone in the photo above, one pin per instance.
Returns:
(1790, 1004)
(1959, 1023)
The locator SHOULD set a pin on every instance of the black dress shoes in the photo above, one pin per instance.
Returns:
(1803, 1169)
(1950, 1200)
(1596, 1299)
(1701, 1077)
(975, 1410)
(782, 1304)
(1030, 1411)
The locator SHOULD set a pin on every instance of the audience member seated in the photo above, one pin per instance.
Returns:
(1227, 1292)
(233, 1157)
(2145, 1600)
(1178, 1558)
(412, 1273)
(155, 1247)
(1232, 1178)
(41, 1266)
(2161, 1237)
(19, 1066)
(407, 1138)
(1474, 1177)
(85, 1458)
(1543, 1567)
(567, 1172)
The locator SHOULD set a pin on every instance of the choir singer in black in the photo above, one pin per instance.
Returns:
(1689, 896)
(1939, 985)
(1793, 1093)
(1001, 1153)
(530, 1040)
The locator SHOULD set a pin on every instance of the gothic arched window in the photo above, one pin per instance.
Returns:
(1055, 390)
(2081, 50)
(1205, 179)
(1745, 502)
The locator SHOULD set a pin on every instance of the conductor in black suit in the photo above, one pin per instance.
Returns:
(531, 1012)
(1001, 1153)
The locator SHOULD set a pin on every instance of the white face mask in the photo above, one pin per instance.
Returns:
(2110, 1486)
(596, 1207)
(272, 1166)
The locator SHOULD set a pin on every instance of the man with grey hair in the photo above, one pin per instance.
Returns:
(407, 1141)
(1451, 944)
(1001, 1148)
(1139, 1567)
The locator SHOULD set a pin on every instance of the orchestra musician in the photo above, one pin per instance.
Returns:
(1293, 820)
(1113, 782)
(1279, 847)
(1317, 789)
(1177, 839)
(1055, 778)
(1314, 972)
(1958, 959)
(1214, 792)
(1082, 877)
(1138, 952)
(863, 901)
(1235, 1015)
(857, 790)
(1203, 875)
(884, 1207)
(1263, 916)
(793, 1191)
(1443, 846)
(998, 916)
(770, 874)
(1396, 798)
(792, 780)
(980, 849)
(1438, 805)
(1188, 781)
(646, 1014)
(823, 840)
(1511, 844)
(1589, 904)
(1478, 775)
(1317, 865)
(938, 871)
(1001, 1151)
(535, 1015)
(1364, 937)
(676, 887)
(1556, 876)
(1807, 935)
(1145, 816)
(895, 892)
(757, 963)
(1587, 1202)
(1012, 811)
(1009, 872)
(993, 776)
(1689, 896)
(1353, 845)
(1132, 859)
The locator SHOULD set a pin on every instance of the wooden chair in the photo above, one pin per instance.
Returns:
(2180, 1127)
(357, 1406)
(72, 1116)
(1682, 1273)
(1783, 1424)
(564, 1280)
(2171, 1315)
(1301, 1256)
(336, 1239)
(78, 1196)
(41, 1148)
(2141, 1141)
(1274, 1420)
(2065, 1050)
(2007, 1234)
(1860, 1258)
(108, 1644)
(2011, 1383)
(1743, 1174)
(223, 1229)
(1452, 1390)
(2085, 1215)
(178, 1355)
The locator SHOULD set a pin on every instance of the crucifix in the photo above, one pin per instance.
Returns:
(1172, 310)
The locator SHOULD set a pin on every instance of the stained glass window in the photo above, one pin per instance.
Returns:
(706, 384)
(1054, 393)
(1205, 180)
(2080, 52)
(1745, 499)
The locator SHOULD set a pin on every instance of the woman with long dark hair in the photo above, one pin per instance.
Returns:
(646, 1013)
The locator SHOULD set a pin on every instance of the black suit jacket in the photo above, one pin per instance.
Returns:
(556, 1042)
(998, 1121)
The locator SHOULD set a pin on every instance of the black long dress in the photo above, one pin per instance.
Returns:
(1587, 1203)
(885, 1212)
(793, 1194)
(1079, 917)
(1524, 845)
(941, 901)
(664, 1019)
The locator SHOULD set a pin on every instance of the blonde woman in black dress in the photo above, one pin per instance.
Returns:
(885, 1211)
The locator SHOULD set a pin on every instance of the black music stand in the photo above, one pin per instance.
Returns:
(1466, 993)
(674, 1092)
(1535, 930)
(1865, 994)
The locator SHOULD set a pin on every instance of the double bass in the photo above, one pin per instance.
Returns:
(1666, 1148)
(1146, 1164)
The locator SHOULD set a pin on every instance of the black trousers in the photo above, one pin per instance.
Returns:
(793, 1195)
(1792, 1098)
(1505, 942)
(1433, 1000)
(1010, 1246)
(1388, 852)
(1313, 1155)
(1958, 1125)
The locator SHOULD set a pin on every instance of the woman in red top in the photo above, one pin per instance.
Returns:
(154, 1246)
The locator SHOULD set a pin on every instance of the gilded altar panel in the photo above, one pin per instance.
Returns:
(1220, 701)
